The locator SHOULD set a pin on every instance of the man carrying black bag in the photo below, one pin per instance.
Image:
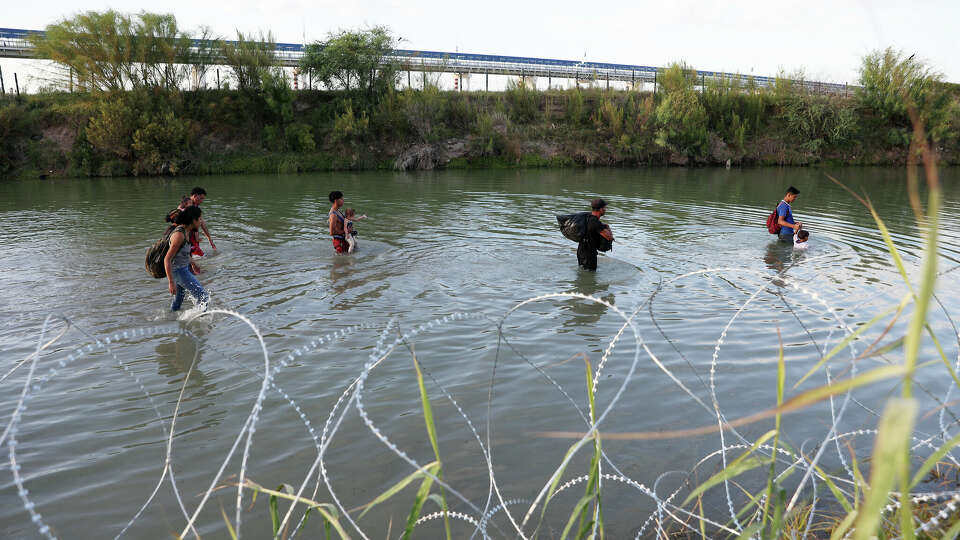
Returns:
(597, 236)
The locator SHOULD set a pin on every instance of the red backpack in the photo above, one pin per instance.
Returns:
(773, 221)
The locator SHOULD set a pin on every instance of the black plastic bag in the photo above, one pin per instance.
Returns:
(573, 226)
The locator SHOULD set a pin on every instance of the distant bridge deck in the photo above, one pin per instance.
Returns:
(14, 43)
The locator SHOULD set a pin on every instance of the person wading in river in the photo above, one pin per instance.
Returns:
(785, 216)
(336, 221)
(596, 235)
(180, 279)
(195, 199)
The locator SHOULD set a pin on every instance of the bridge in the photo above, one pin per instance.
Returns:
(15, 43)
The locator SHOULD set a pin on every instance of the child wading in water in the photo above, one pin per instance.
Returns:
(800, 239)
(350, 215)
(177, 262)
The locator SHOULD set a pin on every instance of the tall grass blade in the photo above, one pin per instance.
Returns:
(233, 533)
(431, 467)
(432, 433)
(749, 532)
(327, 510)
(581, 506)
(742, 464)
(896, 426)
(953, 532)
(421, 497)
(856, 334)
(911, 343)
(841, 530)
(781, 381)
(934, 458)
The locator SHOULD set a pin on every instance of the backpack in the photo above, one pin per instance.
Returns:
(157, 253)
(573, 226)
(773, 221)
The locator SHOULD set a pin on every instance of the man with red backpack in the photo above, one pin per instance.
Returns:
(781, 222)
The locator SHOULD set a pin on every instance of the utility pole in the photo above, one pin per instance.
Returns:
(488, 82)
(408, 79)
(218, 78)
(654, 82)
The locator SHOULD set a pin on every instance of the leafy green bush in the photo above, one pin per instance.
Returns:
(489, 141)
(111, 129)
(891, 85)
(423, 111)
(681, 118)
(459, 114)
(159, 143)
(524, 102)
(817, 120)
(14, 130)
(300, 138)
(609, 118)
(575, 110)
(141, 128)
(348, 126)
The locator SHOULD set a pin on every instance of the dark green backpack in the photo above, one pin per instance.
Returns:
(157, 253)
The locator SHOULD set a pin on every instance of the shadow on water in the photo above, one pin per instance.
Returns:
(174, 359)
(780, 257)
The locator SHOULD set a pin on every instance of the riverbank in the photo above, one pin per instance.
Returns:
(276, 129)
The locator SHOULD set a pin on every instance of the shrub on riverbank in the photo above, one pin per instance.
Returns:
(154, 130)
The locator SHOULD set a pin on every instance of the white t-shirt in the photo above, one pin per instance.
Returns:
(797, 244)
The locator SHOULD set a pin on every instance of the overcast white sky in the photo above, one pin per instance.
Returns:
(826, 39)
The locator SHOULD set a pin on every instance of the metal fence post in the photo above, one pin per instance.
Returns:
(487, 88)
(218, 78)
(16, 82)
(654, 82)
(3, 89)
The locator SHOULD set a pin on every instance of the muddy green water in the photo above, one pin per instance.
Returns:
(91, 449)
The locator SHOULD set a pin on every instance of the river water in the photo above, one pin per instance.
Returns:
(709, 290)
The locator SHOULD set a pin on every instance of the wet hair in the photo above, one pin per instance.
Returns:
(334, 195)
(793, 191)
(803, 234)
(198, 191)
(597, 204)
(187, 215)
(349, 212)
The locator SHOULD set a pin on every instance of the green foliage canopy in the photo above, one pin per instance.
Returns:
(891, 84)
(680, 116)
(110, 51)
(251, 59)
(353, 60)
